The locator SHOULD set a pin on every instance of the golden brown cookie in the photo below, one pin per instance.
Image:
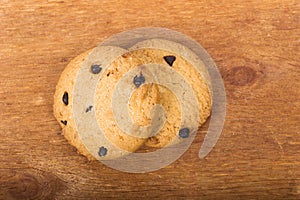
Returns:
(140, 55)
(144, 97)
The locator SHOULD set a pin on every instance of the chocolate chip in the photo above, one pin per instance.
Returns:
(96, 69)
(64, 122)
(184, 133)
(170, 59)
(65, 98)
(138, 80)
(102, 151)
(89, 109)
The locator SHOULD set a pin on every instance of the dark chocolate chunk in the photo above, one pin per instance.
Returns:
(170, 59)
(184, 133)
(65, 98)
(89, 109)
(102, 151)
(96, 69)
(138, 80)
(64, 122)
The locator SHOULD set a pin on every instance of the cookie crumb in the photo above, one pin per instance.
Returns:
(96, 69)
(102, 151)
(184, 132)
(170, 59)
(65, 98)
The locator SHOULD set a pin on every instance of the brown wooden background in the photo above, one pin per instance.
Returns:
(255, 44)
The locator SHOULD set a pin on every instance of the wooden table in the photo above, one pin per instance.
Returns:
(255, 45)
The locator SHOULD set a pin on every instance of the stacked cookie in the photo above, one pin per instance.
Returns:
(105, 98)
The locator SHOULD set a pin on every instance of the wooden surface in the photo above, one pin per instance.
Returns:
(256, 47)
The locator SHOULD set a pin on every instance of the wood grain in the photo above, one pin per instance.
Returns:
(256, 47)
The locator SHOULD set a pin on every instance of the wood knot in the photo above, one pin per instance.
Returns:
(31, 184)
(241, 76)
(25, 186)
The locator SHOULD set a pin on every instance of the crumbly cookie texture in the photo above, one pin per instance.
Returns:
(142, 100)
